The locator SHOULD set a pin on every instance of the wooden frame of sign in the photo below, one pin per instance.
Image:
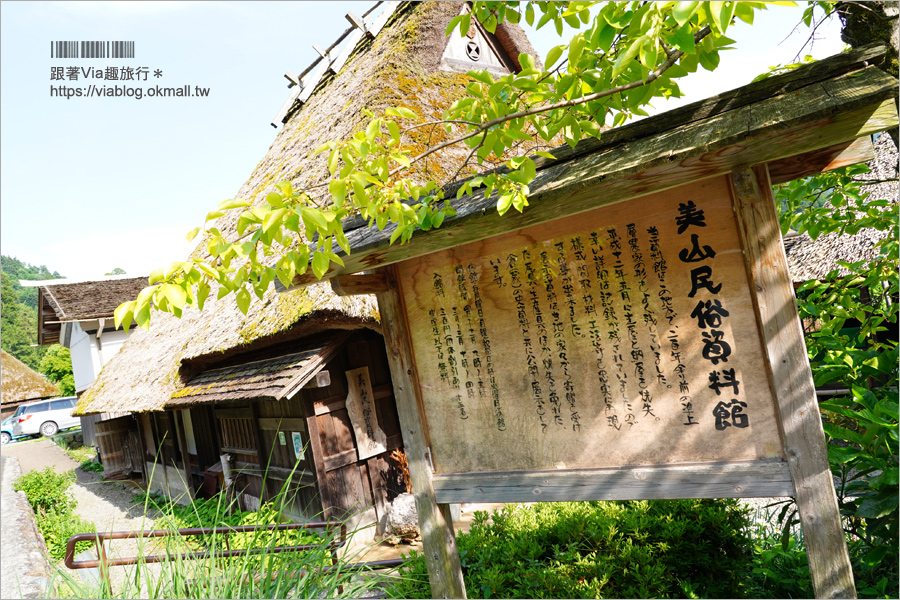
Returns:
(616, 355)
(633, 334)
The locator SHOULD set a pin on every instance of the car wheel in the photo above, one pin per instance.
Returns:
(5, 438)
(49, 428)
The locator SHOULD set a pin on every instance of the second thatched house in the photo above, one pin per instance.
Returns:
(21, 384)
(297, 394)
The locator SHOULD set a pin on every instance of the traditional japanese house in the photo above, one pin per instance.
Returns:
(21, 384)
(79, 316)
(297, 389)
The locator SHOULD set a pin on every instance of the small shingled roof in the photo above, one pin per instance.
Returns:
(91, 299)
(20, 382)
(272, 378)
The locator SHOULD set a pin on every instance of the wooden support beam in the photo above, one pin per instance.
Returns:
(353, 285)
(652, 157)
(262, 454)
(383, 16)
(359, 24)
(322, 53)
(286, 107)
(318, 454)
(281, 424)
(725, 480)
(824, 159)
(435, 522)
(346, 51)
(185, 457)
(322, 379)
(792, 383)
(292, 79)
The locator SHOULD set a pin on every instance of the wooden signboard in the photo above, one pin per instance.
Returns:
(633, 334)
(646, 349)
(625, 336)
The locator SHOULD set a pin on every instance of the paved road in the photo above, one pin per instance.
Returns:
(39, 454)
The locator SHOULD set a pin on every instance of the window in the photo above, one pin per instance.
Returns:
(237, 434)
(36, 408)
(63, 404)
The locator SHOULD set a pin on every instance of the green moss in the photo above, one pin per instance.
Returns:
(290, 307)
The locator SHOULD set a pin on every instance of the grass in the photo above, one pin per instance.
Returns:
(252, 574)
(73, 448)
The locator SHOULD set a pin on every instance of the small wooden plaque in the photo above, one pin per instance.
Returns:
(360, 403)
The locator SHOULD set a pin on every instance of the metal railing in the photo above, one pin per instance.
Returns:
(104, 562)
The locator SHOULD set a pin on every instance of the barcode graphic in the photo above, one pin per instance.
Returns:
(91, 49)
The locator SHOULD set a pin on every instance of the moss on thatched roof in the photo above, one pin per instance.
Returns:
(814, 259)
(20, 382)
(398, 68)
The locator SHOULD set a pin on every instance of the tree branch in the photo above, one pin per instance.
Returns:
(565, 104)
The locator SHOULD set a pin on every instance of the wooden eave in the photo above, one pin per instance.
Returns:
(49, 324)
(798, 123)
(271, 378)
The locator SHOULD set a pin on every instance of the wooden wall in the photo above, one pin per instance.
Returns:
(327, 478)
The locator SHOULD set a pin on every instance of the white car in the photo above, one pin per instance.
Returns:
(45, 417)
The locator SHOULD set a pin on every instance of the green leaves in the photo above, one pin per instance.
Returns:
(552, 56)
(338, 190)
(400, 112)
(601, 76)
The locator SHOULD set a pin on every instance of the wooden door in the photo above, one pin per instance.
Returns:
(352, 485)
(118, 444)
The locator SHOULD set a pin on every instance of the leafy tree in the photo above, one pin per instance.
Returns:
(19, 310)
(852, 342)
(116, 271)
(621, 56)
(57, 366)
(18, 325)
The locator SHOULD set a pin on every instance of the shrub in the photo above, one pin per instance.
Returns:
(58, 527)
(781, 567)
(600, 550)
(53, 509)
(46, 490)
(91, 467)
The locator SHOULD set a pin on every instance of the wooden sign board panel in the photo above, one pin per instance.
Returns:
(360, 403)
(625, 336)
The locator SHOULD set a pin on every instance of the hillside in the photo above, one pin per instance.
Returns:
(18, 313)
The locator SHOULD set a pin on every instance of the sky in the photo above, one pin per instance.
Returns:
(89, 184)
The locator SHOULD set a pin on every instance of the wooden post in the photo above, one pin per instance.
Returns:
(438, 538)
(792, 382)
(185, 456)
(262, 454)
(318, 454)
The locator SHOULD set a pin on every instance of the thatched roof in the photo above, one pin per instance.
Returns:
(398, 68)
(814, 259)
(20, 382)
(82, 301)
